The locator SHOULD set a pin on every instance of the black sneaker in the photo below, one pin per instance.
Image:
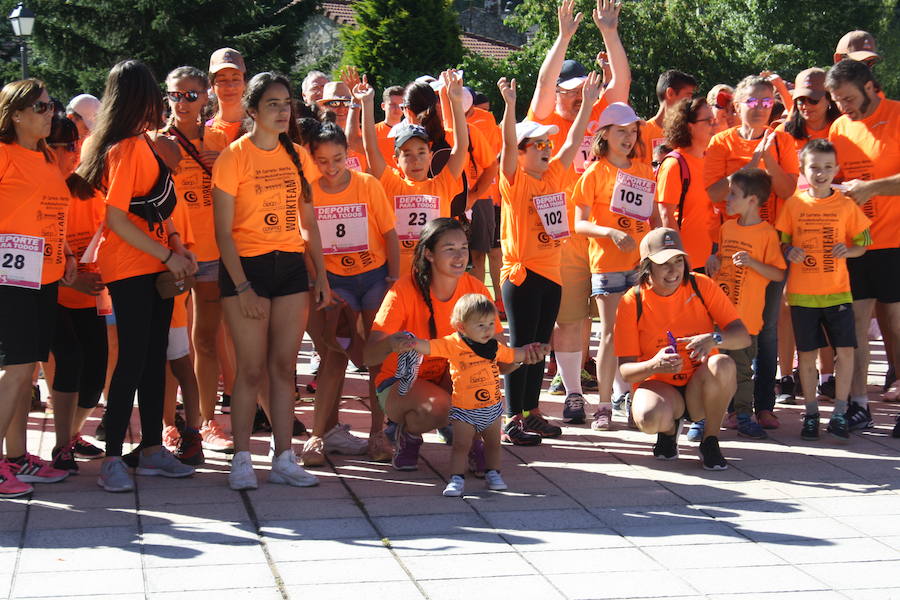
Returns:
(85, 449)
(787, 391)
(261, 422)
(839, 428)
(666, 446)
(858, 417)
(225, 404)
(64, 458)
(515, 433)
(711, 455)
(827, 388)
(810, 430)
(536, 423)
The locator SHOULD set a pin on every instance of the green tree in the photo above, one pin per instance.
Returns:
(398, 40)
(76, 42)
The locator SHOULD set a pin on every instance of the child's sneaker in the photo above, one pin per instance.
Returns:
(241, 476)
(573, 409)
(746, 427)
(695, 431)
(711, 455)
(286, 470)
(602, 418)
(455, 486)
(810, 430)
(10, 485)
(514, 433)
(493, 481)
(838, 427)
(588, 381)
(214, 439)
(859, 417)
(34, 469)
(339, 440)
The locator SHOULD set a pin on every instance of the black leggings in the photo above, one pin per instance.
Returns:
(142, 322)
(80, 349)
(531, 309)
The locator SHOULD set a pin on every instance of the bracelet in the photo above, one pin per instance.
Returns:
(171, 252)
(240, 289)
(354, 105)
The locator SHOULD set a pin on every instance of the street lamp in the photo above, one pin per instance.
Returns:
(22, 19)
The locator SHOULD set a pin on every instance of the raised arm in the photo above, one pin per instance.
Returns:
(509, 152)
(590, 91)
(460, 152)
(350, 77)
(365, 96)
(544, 99)
(606, 18)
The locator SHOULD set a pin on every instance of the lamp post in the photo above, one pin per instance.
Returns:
(22, 20)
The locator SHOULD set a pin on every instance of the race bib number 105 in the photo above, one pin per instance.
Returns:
(21, 260)
(633, 196)
(551, 209)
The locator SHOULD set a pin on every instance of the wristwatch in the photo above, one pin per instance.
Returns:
(717, 337)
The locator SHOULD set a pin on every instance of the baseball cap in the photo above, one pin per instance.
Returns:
(618, 113)
(86, 106)
(661, 245)
(468, 98)
(571, 75)
(809, 84)
(334, 90)
(530, 129)
(424, 79)
(856, 45)
(405, 131)
(226, 58)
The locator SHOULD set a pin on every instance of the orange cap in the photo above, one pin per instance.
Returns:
(856, 45)
(226, 58)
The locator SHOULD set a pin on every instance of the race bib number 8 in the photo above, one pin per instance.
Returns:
(344, 228)
(551, 209)
(21, 260)
(413, 212)
(633, 196)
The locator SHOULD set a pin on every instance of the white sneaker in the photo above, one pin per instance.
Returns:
(242, 476)
(286, 470)
(339, 440)
(455, 486)
(493, 481)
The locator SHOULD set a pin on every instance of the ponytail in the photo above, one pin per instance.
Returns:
(305, 190)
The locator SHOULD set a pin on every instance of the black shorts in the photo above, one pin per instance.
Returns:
(816, 328)
(876, 274)
(682, 389)
(27, 323)
(270, 275)
(496, 241)
(481, 233)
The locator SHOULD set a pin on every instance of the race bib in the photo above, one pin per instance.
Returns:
(633, 196)
(353, 163)
(21, 260)
(656, 142)
(343, 228)
(585, 155)
(413, 212)
(551, 209)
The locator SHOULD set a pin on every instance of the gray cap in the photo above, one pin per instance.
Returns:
(403, 132)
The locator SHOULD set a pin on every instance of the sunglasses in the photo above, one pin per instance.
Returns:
(336, 103)
(541, 145)
(68, 146)
(40, 107)
(176, 97)
(752, 103)
(807, 100)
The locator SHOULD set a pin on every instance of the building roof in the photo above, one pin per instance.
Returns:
(341, 12)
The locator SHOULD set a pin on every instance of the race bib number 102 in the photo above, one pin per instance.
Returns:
(551, 209)
(21, 260)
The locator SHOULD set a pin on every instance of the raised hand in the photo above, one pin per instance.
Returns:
(507, 90)
(350, 76)
(568, 23)
(590, 91)
(452, 81)
(362, 91)
(606, 14)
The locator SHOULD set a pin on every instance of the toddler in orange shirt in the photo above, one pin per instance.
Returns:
(476, 404)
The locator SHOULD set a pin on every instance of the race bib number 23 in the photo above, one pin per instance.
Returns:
(413, 212)
(21, 260)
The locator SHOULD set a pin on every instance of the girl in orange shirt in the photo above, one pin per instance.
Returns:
(121, 160)
(534, 219)
(198, 147)
(616, 226)
(362, 256)
(264, 223)
(33, 202)
(227, 73)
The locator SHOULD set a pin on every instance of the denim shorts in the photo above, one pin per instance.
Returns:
(616, 282)
(208, 270)
(364, 291)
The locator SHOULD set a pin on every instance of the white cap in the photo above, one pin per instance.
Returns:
(618, 113)
(425, 79)
(530, 129)
(86, 106)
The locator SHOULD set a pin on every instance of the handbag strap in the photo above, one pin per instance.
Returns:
(185, 143)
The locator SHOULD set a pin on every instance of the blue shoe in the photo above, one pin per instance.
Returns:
(747, 427)
(695, 432)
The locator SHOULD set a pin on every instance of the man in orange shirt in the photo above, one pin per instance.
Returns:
(867, 140)
(392, 105)
(671, 87)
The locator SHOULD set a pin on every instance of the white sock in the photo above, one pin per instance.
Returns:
(862, 401)
(568, 365)
(619, 385)
(823, 377)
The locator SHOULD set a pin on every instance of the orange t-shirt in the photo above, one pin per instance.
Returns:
(403, 309)
(594, 190)
(728, 151)
(744, 286)
(229, 128)
(816, 225)
(34, 201)
(131, 170)
(352, 225)
(682, 313)
(811, 134)
(414, 204)
(652, 135)
(487, 124)
(476, 380)
(524, 235)
(194, 188)
(385, 144)
(266, 189)
(699, 221)
(480, 158)
(870, 149)
(85, 216)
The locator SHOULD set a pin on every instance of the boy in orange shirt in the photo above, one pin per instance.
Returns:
(820, 229)
(476, 404)
(749, 257)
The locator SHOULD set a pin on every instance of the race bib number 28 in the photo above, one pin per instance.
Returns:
(21, 260)
(633, 196)
(344, 228)
(413, 212)
(551, 209)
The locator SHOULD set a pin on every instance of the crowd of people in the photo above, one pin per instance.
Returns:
(172, 246)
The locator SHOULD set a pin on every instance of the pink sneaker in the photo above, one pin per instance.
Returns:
(10, 485)
(215, 439)
(731, 421)
(602, 418)
(767, 419)
(33, 469)
(171, 438)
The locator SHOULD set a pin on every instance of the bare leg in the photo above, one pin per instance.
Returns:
(423, 408)
(709, 391)
(207, 319)
(606, 352)
(491, 437)
(285, 334)
(462, 442)
(862, 313)
(183, 370)
(15, 384)
(786, 344)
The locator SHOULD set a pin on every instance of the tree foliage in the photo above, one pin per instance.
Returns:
(75, 42)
